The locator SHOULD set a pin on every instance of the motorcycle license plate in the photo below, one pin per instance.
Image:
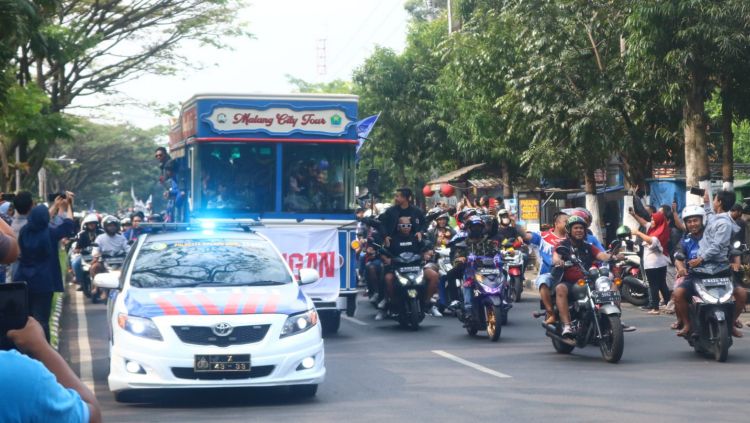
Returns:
(715, 282)
(222, 363)
(603, 297)
(488, 271)
(410, 269)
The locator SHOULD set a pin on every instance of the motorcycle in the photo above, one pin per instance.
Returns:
(490, 296)
(86, 258)
(452, 288)
(634, 288)
(409, 288)
(513, 266)
(711, 314)
(594, 312)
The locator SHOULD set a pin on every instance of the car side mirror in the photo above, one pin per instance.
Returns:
(107, 281)
(308, 276)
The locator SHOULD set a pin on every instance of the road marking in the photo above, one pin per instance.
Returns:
(354, 320)
(468, 363)
(84, 348)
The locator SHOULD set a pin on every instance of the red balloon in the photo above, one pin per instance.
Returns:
(447, 190)
(427, 191)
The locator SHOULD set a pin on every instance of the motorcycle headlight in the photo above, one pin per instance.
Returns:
(403, 279)
(705, 295)
(420, 278)
(603, 284)
(139, 326)
(300, 322)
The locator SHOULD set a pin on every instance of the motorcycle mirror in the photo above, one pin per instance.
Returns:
(562, 251)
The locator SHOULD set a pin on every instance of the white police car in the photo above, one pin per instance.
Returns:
(202, 309)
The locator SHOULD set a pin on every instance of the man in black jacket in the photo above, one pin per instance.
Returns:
(403, 208)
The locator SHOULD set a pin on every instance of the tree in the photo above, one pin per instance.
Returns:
(92, 47)
(337, 86)
(109, 161)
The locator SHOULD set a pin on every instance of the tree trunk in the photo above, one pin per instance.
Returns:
(507, 180)
(592, 203)
(696, 152)
(727, 155)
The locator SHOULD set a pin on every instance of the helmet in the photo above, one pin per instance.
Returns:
(110, 220)
(502, 212)
(443, 216)
(623, 232)
(575, 220)
(464, 215)
(582, 213)
(474, 220)
(126, 222)
(693, 211)
(90, 218)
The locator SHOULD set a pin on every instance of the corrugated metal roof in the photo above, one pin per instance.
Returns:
(486, 183)
(451, 176)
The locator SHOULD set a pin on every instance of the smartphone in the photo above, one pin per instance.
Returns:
(14, 306)
(697, 191)
(51, 197)
(8, 197)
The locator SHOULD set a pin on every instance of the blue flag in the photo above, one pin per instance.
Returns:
(364, 127)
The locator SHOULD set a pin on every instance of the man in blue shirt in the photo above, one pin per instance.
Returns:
(41, 387)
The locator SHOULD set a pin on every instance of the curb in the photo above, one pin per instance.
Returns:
(54, 321)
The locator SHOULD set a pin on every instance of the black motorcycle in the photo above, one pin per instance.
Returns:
(634, 287)
(409, 289)
(711, 313)
(594, 312)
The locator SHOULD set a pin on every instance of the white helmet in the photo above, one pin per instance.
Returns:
(90, 218)
(693, 211)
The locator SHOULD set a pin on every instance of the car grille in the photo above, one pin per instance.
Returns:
(189, 373)
(204, 335)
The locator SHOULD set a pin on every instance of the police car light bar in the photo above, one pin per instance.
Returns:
(204, 225)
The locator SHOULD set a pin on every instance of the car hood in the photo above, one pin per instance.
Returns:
(282, 299)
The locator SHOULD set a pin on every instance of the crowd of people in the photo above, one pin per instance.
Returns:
(702, 235)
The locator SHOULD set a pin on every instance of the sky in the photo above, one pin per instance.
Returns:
(286, 39)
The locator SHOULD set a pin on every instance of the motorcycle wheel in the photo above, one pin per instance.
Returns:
(517, 289)
(493, 327)
(633, 296)
(721, 334)
(562, 347)
(415, 311)
(613, 342)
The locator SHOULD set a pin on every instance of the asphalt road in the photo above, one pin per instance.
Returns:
(378, 372)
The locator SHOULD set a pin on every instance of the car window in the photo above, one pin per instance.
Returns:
(207, 262)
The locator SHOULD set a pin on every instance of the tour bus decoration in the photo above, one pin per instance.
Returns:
(278, 120)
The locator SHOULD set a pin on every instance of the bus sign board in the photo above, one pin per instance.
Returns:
(278, 120)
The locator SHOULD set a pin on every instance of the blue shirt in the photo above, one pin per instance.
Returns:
(30, 393)
(546, 243)
(690, 246)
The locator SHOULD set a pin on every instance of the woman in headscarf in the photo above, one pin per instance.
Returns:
(39, 263)
(655, 261)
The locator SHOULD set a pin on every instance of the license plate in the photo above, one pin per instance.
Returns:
(602, 297)
(222, 363)
(715, 282)
(410, 269)
(489, 271)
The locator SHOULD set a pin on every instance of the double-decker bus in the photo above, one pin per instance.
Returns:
(287, 161)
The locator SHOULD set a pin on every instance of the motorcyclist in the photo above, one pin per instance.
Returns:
(441, 234)
(87, 236)
(132, 234)
(584, 251)
(588, 218)
(110, 243)
(693, 218)
(405, 241)
(712, 258)
(478, 243)
(507, 231)
(546, 243)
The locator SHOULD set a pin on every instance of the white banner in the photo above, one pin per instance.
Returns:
(279, 121)
(311, 247)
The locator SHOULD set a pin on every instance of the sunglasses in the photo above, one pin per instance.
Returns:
(404, 225)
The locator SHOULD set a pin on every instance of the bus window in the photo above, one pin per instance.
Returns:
(317, 178)
(235, 177)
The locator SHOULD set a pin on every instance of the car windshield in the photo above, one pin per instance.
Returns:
(208, 262)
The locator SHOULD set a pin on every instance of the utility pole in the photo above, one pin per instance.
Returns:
(450, 18)
(321, 57)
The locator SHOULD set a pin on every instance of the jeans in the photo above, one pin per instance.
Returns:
(544, 279)
(468, 294)
(77, 264)
(40, 308)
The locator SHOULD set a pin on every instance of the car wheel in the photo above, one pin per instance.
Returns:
(303, 391)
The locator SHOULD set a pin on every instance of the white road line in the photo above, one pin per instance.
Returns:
(354, 320)
(84, 348)
(474, 366)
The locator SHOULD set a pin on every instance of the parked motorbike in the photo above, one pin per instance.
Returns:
(491, 296)
(634, 287)
(409, 290)
(594, 312)
(513, 266)
(711, 314)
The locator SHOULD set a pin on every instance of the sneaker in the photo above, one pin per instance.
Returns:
(567, 331)
(374, 299)
(435, 312)
(382, 303)
(455, 305)
(380, 315)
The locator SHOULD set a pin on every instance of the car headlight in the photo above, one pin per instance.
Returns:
(603, 284)
(300, 322)
(139, 326)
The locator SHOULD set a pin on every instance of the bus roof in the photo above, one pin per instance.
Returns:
(272, 97)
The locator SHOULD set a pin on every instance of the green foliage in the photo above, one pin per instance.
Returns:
(337, 86)
(108, 161)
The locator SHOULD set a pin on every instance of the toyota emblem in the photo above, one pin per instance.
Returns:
(222, 329)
